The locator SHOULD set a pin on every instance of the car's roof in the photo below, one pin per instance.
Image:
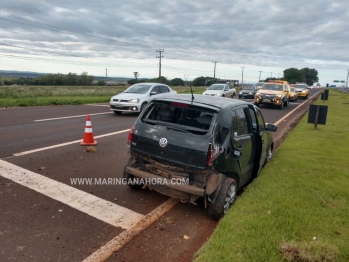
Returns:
(148, 83)
(202, 100)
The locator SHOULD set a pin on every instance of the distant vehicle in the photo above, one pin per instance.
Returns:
(136, 97)
(293, 94)
(222, 90)
(248, 91)
(259, 85)
(275, 92)
(214, 146)
(302, 90)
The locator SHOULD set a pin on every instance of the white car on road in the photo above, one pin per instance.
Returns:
(220, 90)
(136, 97)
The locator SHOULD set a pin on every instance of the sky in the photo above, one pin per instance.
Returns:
(229, 39)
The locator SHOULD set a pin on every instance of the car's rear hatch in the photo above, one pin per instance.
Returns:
(175, 134)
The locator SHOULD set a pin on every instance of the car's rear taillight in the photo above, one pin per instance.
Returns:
(129, 138)
(212, 154)
(209, 156)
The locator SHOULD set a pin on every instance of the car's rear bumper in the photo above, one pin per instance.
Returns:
(166, 182)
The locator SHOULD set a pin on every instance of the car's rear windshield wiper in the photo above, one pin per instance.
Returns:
(178, 129)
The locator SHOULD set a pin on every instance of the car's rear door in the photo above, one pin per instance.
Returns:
(244, 141)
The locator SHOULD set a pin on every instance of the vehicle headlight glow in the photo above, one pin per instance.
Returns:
(303, 91)
(111, 99)
(218, 94)
(134, 100)
(278, 96)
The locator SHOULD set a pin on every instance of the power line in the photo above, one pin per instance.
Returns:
(68, 55)
(60, 29)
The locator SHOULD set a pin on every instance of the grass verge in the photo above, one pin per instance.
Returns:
(298, 209)
(14, 96)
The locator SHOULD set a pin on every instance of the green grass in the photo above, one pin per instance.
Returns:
(298, 209)
(12, 96)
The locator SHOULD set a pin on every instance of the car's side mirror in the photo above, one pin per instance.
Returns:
(153, 93)
(270, 127)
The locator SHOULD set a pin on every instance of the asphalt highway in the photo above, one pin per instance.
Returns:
(46, 217)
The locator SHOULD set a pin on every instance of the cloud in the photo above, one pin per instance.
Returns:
(260, 33)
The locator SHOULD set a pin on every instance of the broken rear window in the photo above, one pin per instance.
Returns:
(179, 116)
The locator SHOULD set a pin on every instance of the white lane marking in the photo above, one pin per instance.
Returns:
(91, 205)
(287, 115)
(65, 117)
(120, 240)
(95, 105)
(66, 144)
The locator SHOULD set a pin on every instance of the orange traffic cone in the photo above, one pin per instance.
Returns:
(88, 139)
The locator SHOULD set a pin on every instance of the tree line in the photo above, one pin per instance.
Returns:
(163, 80)
(292, 75)
(59, 79)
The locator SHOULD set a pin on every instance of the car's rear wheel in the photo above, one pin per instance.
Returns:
(130, 178)
(226, 197)
(117, 112)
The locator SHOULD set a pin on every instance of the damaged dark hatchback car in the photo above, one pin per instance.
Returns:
(216, 145)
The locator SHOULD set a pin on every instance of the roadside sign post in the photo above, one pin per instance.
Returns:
(324, 95)
(317, 115)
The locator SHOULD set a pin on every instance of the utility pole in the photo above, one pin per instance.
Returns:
(106, 79)
(278, 75)
(242, 75)
(160, 51)
(214, 71)
(185, 79)
(346, 83)
(260, 72)
(271, 74)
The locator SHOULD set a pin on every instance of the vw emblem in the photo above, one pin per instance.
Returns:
(163, 142)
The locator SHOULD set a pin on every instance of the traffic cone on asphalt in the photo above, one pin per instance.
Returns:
(88, 139)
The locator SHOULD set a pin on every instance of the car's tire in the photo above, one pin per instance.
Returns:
(143, 106)
(226, 197)
(223, 95)
(128, 176)
(117, 112)
(281, 106)
(240, 97)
